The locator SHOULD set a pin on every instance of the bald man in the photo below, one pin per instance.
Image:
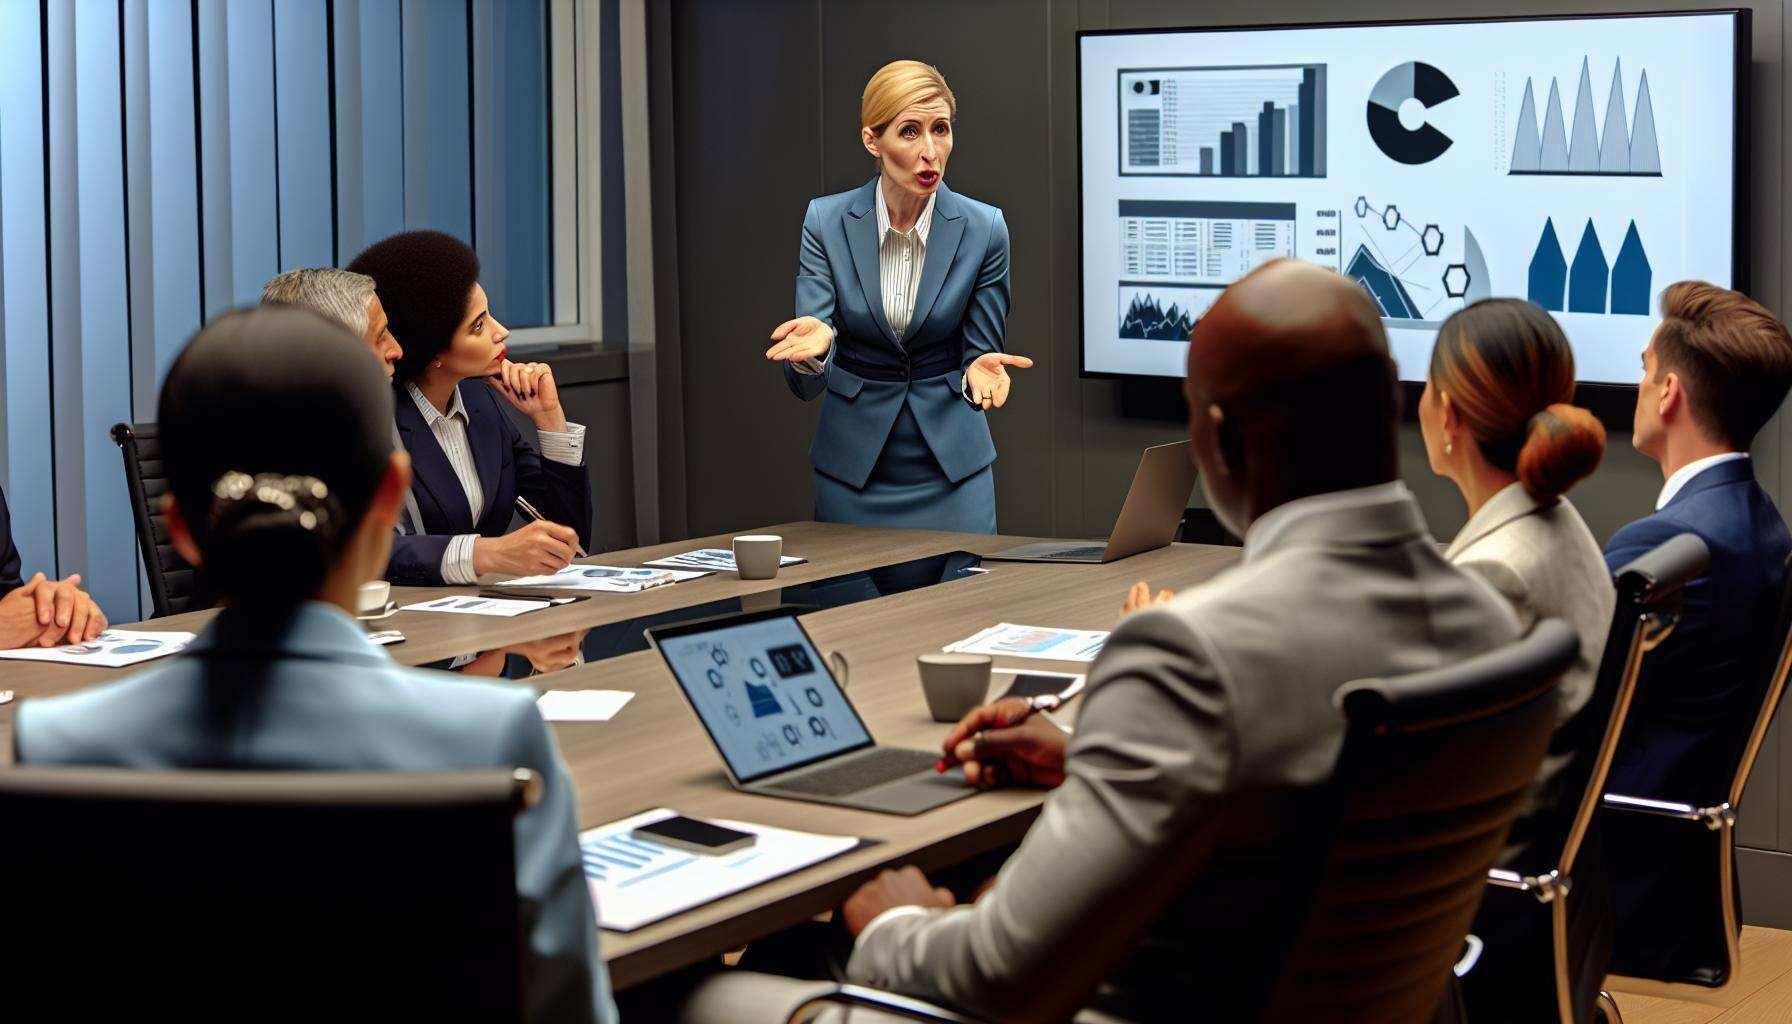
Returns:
(1140, 890)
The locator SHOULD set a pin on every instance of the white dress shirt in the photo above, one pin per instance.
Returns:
(1684, 475)
(566, 447)
(900, 255)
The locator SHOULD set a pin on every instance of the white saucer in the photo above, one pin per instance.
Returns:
(390, 610)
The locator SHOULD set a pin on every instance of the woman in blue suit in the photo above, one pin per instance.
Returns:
(901, 302)
(471, 461)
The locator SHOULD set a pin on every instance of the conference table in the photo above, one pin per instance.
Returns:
(654, 753)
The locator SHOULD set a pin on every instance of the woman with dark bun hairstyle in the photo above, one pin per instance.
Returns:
(277, 442)
(1500, 423)
(473, 466)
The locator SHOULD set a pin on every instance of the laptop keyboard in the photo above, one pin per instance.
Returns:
(1090, 552)
(857, 774)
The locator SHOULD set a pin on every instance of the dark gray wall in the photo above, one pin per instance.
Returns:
(764, 113)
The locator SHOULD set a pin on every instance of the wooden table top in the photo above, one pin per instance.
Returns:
(654, 753)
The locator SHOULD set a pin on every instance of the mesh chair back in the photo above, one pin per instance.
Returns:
(1434, 768)
(173, 583)
(266, 895)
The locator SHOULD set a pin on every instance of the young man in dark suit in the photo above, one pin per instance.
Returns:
(1715, 372)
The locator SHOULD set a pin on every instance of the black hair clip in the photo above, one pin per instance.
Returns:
(306, 497)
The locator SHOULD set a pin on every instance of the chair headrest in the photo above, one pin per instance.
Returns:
(1485, 683)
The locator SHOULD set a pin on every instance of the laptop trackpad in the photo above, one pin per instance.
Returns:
(916, 793)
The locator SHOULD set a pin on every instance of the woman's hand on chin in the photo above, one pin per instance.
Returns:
(531, 389)
(802, 338)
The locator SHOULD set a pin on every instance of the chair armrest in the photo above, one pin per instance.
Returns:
(1545, 887)
(883, 1002)
(1713, 818)
(1471, 955)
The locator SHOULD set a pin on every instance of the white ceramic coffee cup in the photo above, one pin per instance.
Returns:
(757, 555)
(372, 597)
(953, 683)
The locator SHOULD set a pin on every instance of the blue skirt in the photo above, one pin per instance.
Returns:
(908, 490)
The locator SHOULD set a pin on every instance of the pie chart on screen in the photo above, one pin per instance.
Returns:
(1414, 80)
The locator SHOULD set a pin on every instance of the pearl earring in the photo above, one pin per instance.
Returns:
(1449, 447)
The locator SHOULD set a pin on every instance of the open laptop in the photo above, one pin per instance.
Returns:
(1148, 521)
(782, 724)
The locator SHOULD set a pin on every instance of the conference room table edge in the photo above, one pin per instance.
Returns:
(882, 684)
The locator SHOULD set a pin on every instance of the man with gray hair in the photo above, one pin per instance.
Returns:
(346, 297)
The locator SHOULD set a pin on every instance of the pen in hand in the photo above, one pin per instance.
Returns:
(997, 726)
(529, 510)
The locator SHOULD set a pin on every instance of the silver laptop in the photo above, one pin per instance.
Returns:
(782, 724)
(1148, 521)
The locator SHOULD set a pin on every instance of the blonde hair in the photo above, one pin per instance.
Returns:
(898, 86)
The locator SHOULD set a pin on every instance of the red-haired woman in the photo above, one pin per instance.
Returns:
(1500, 423)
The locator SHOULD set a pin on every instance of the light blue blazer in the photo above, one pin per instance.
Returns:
(961, 313)
(304, 690)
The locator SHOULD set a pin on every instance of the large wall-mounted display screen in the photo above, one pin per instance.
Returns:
(1582, 163)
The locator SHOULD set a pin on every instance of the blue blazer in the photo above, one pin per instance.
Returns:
(303, 689)
(508, 465)
(961, 312)
(1696, 697)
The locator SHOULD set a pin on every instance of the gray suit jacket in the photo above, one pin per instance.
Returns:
(305, 690)
(1223, 692)
(1542, 558)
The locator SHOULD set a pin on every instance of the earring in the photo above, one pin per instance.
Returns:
(1449, 447)
(437, 364)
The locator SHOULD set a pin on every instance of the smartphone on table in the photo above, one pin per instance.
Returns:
(694, 836)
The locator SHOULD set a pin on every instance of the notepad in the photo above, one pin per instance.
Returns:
(636, 882)
(582, 705)
(603, 579)
(714, 560)
(1005, 639)
(463, 604)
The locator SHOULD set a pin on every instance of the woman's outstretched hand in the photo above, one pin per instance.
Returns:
(987, 380)
(800, 339)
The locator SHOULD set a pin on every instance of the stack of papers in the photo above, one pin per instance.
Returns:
(636, 882)
(715, 560)
(1006, 639)
(114, 648)
(603, 578)
(582, 705)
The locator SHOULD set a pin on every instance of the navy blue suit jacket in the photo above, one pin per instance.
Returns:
(10, 580)
(961, 312)
(508, 466)
(1698, 690)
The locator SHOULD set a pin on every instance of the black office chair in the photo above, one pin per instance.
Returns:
(1433, 770)
(1548, 923)
(1712, 900)
(172, 582)
(214, 896)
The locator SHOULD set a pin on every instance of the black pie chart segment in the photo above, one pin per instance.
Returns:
(1412, 80)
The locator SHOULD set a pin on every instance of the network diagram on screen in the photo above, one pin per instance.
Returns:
(1584, 164)
(764, 696)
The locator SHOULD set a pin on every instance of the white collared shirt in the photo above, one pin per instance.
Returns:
(566, 447)
(899, 258)
(1270, 525)
(1684, 475)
